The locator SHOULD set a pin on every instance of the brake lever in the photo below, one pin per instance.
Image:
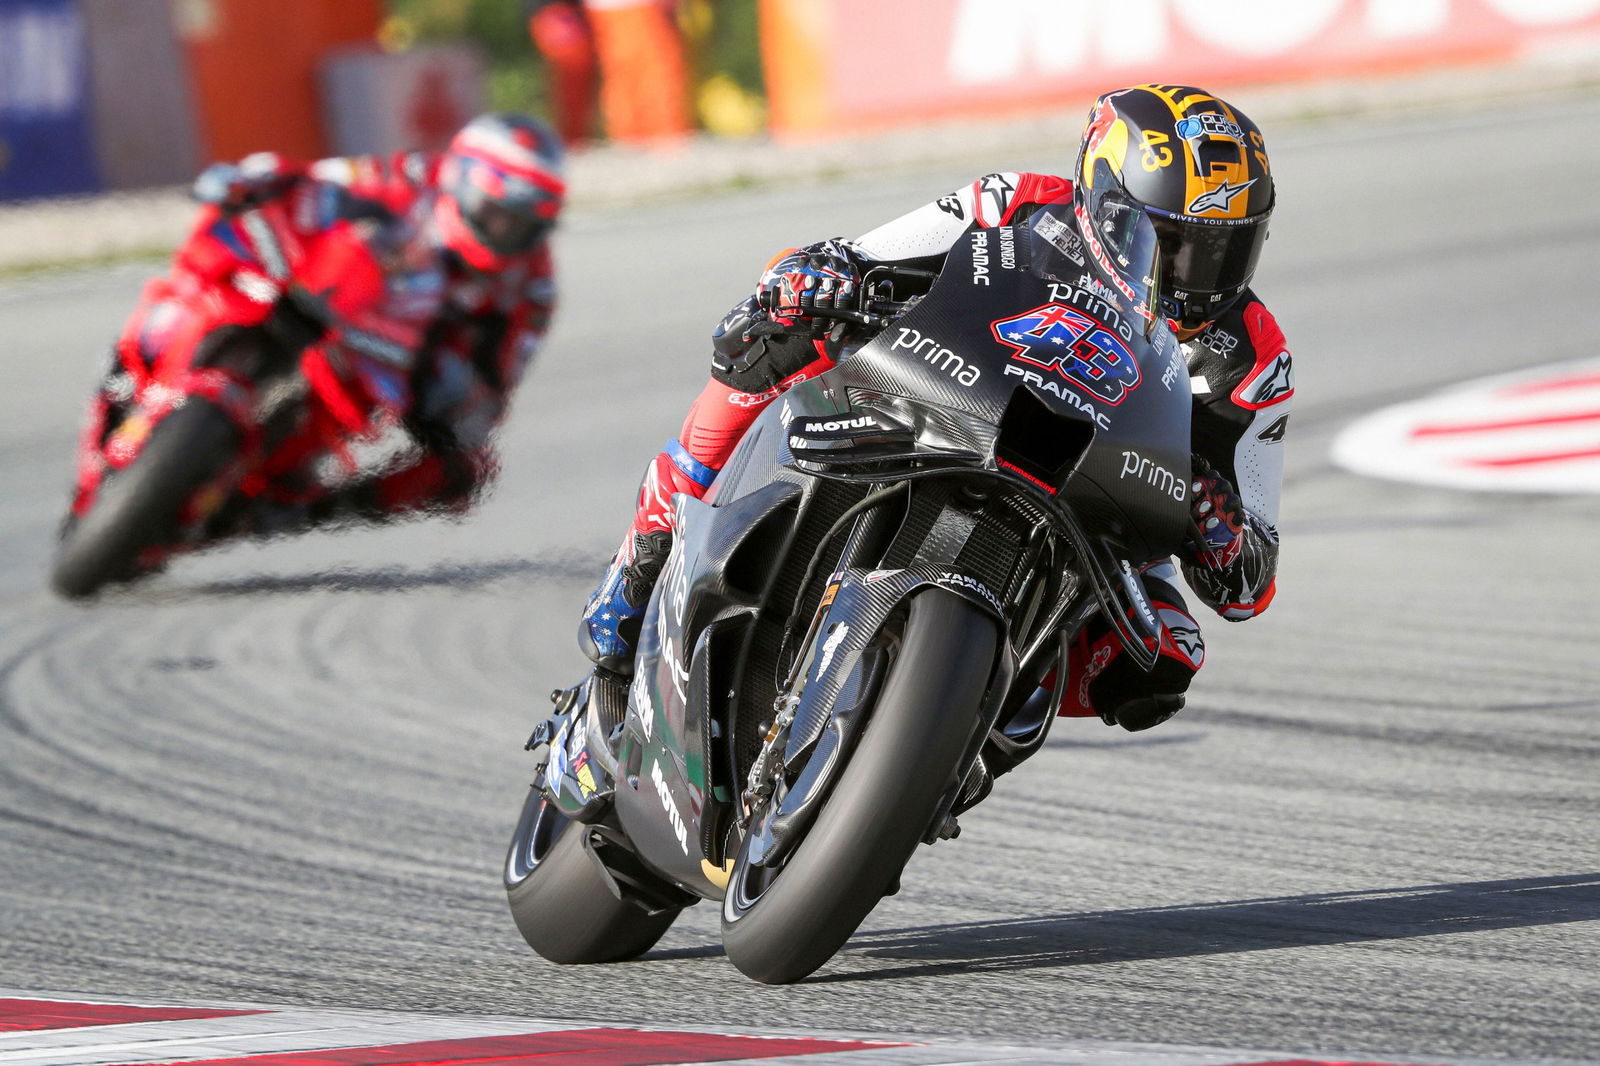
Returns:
(865, 319)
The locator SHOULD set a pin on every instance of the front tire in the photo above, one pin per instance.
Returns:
(780, 926)
(563, 902)
(138, 507)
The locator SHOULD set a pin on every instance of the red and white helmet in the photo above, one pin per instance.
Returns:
(500, 188)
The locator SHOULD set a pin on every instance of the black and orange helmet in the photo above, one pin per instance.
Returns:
(1199, 169)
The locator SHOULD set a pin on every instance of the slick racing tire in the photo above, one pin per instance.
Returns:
(138, 507)
(563, 902)
(780, 925)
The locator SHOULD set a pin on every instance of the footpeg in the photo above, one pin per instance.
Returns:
(542, 734)
(564, 699)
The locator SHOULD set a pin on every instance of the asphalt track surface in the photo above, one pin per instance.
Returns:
(285, 773)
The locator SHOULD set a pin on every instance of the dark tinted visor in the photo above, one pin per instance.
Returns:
(504, 229)
(1201, 259)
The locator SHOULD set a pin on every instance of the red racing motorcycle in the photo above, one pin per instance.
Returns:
(243, 379)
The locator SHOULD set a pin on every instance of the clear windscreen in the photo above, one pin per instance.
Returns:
(1128, 245)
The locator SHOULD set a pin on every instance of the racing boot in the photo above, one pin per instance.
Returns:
(608, 632)
(1105, 682)
(1144, 712)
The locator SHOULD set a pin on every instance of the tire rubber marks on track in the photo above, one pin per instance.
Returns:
(1531, 431)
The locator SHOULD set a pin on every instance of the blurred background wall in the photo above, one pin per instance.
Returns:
(119, 94)
(838, 64)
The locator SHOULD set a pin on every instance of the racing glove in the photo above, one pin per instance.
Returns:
(1217, 518)
(803, 280)
(1230, 555)
(253, 180)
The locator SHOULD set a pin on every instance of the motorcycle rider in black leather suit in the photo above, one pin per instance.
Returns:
(1199, 168)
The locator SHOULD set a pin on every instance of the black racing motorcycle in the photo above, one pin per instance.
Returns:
(841, 649)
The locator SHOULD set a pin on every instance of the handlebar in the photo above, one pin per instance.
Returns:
(872, 310)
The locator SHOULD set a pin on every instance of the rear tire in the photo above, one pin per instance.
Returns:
(779, 926)
(562, 901)
(137, 508)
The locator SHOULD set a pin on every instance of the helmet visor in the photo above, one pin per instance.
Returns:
(1205, 259)
(502, 228)
(509, 215)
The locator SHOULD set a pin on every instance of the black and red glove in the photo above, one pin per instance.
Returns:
(803, 280)
(1216, 516)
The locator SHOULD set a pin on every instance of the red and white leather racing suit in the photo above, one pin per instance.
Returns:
(471, 335)
(485, 331)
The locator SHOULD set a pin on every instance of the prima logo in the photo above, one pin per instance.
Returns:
(936, 355)
(1159, 477)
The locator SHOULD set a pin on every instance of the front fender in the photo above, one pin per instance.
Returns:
(862, 601)
(843, 680)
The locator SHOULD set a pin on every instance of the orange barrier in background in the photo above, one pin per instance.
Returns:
(841, 65)
(255, 69)
(644, 78)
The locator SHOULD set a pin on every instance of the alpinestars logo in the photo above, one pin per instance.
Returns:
(1267, 383)
(1218, 199)
(1181, 637)
(1074, 345)
(998, 190)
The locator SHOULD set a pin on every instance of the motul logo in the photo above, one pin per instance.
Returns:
(671, 808)
(862, 422)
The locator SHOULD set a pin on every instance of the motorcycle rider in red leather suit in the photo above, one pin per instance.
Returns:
(1199, 167)
(471, 289)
